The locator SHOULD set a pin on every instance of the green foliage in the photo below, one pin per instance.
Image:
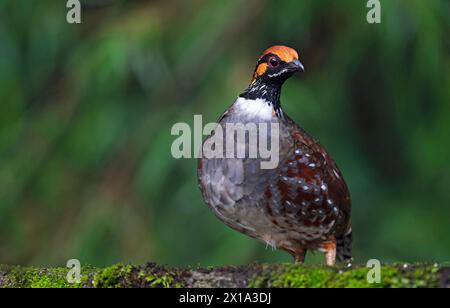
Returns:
(86, 112)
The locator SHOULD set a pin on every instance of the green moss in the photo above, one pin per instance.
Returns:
(392, 276)
(165, 281)
(160, 277)
(54, 278)
(124, 276)
(112, 277)
(115, 276)
(281, 275)
(293, 276)
(26, 277)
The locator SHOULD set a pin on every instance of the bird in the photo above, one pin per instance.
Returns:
(303, 204)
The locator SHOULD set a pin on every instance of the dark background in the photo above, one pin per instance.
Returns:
(86, 112)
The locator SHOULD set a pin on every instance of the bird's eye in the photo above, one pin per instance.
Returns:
(273, 62)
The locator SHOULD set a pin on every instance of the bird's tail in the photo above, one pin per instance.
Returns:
(344, 246)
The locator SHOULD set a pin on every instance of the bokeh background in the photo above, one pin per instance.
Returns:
(86, 112)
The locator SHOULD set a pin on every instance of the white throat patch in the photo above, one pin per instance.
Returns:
(257, 108)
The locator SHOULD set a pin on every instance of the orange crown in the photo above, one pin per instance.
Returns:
(285, 53)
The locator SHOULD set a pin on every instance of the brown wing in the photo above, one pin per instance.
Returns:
(310, 187)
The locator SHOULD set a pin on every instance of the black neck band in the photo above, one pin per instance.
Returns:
(269, 92)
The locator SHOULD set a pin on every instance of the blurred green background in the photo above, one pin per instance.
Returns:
(86, 112)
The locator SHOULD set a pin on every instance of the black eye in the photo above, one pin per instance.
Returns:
(273, 62)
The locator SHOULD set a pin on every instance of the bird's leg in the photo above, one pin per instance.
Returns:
(299, 256)
(330, 252)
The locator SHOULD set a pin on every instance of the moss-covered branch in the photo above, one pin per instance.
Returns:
(255, 275)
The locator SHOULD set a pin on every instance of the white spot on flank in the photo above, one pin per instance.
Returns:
(259, 108)
(336, 174)
(245, 226)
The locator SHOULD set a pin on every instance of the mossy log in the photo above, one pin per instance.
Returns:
(152, 275)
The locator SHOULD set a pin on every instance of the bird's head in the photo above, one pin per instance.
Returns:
(277, 64)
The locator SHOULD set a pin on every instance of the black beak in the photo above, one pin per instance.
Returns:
(296, 66)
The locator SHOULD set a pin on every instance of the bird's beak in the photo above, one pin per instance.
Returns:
(296, 66)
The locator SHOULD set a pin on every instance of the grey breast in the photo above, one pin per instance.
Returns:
(232, 186)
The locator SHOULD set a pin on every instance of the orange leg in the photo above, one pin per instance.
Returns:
(330, 252)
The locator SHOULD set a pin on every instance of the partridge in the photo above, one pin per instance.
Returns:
(303, 203)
